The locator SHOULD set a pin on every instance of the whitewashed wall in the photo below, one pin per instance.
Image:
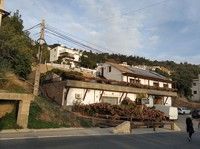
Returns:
(55, 53)
(169, 85)
(93, 96)
(113, 75)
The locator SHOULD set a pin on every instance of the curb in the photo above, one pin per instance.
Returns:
(55, 136)
(41, 130)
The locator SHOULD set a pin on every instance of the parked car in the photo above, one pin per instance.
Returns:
(183, 110)
(196, 113)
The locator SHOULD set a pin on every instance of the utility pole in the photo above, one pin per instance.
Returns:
(41, 42)
(1, 10)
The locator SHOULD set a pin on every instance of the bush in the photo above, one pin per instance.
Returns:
(126, 109)
(65, 75)
(9, 121)
(34, 122)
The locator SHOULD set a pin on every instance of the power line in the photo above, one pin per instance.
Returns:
(37, 25)
(74, 42)
(49, 35)
(51, 27)
(69, 39)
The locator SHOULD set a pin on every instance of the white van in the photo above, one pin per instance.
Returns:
(170, 112)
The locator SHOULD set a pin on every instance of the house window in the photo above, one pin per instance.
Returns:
(155, 84)
(194, 84)
(195, 92)
(109, 68)
(134, 81)
(165, 85)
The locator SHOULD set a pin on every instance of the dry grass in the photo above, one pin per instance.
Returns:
(13, 84)
(183, 102)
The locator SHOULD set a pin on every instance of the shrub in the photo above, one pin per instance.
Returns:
(126, 109)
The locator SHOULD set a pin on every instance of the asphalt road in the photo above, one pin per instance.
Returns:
(144, 141)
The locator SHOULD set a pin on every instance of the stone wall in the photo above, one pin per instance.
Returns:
(54, 91)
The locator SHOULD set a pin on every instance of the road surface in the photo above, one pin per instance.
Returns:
(141, 141)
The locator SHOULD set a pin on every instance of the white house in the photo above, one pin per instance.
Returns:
(69, 56)
(196, 89)
(158, 89)
(126, 73)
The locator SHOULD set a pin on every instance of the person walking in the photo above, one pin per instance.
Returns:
(189, 128)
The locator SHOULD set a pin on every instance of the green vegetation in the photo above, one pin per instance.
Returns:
(47, 114)
(72, 75)
(15, 46)
(9, 121)
(17, 50)
(36, 123)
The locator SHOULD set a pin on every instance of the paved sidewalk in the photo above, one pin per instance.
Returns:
(67, 132)
(47, 133)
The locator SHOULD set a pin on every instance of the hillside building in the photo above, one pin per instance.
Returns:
(196, 89)
(119, 82)
(66, 55)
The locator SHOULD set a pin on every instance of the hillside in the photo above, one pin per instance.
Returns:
(182, 73)
(45, 113)
(182, 102)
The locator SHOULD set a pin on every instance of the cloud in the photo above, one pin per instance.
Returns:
(168, 31)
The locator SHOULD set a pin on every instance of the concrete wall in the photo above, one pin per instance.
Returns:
(24, 105)
(6, 107)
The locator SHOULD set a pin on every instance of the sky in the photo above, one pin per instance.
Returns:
(154, 29)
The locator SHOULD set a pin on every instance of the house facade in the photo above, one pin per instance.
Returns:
(126, 73)
(69, 92)
(120, 82)
(129, 74)
(196, 89)
(69, 56)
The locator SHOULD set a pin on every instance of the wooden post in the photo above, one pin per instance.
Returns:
(65, 98)
(154, 127)
(131, 121)
(121, 97)
(101, 96)
(85, 94)
(172, 126)
(165, 100)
